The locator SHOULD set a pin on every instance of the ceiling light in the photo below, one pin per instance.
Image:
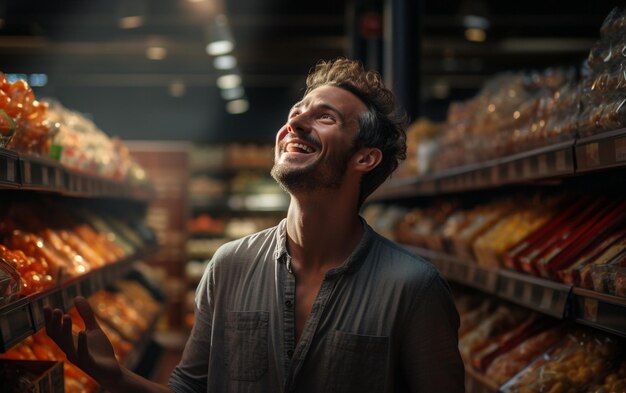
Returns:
(131, 13)
(225, 62)
(131, 22)
(219, 37)
(475, 35)
(156, 53)
(237, 106)
(217, 48)
(177, 88)
(228, 81)
(232, 93)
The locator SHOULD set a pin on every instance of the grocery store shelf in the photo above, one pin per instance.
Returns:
(601, 311)
(602, 151)
(9, 169)
(547, 162)
(541, 295)
(24, 317)
(27, 172)
(594, 153)
(548, 297)
(452, 268)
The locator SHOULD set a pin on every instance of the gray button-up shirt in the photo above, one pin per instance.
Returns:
(383, 321)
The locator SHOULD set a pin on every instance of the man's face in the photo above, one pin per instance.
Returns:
(315, 145)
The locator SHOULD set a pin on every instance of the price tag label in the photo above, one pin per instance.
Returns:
(528, 294)
(480, 278)
(45, 178)
(58, 178)
(546, 299)
(560, 161)
(542, 164)
(511, 171)
(27, 174)
(620, 149)
(494, 174)
(592, 154)
(590, 310)
(526, 169)
(11, 170)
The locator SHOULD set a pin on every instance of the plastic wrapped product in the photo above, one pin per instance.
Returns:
(593, 255)
(507, 340)
(609, 278)
(614, 382)
(609, 255)
(10, 282)
(581, 360)
(505, 366)
(501, 320)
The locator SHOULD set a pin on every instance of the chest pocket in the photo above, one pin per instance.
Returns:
(246, 344)
(357, 363)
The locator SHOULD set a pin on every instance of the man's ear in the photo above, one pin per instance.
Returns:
(367, 158)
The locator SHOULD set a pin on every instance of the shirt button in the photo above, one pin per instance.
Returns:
(288, 304)
(290, 353)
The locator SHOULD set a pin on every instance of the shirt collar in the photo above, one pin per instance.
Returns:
(351, 264)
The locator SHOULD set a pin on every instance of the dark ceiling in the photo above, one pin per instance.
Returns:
(96, 67)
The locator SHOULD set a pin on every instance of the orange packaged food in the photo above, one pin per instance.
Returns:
(505, 366)
(580, 360)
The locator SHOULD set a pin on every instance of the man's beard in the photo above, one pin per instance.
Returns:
(327, 174)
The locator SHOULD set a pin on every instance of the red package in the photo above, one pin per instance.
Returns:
(558, 235)
(563, 254)
(507, 341)
(511, 258)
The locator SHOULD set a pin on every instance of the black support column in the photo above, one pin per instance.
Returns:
(402, 27)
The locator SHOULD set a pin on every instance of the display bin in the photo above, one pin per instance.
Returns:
(9, 169)
(601, 151)
(88, 284)
(15, 323)
(600, 311)
(40, 173)
(31, 376)
(51, 298)
(69, 292)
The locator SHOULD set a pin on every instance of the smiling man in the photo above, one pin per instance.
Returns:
(321, 302)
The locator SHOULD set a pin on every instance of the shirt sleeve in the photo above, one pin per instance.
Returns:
(430, 358)
(190, 375)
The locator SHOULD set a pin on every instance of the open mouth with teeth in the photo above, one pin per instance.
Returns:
(294, 147)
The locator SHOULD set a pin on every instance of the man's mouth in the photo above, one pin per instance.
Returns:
(296, 147)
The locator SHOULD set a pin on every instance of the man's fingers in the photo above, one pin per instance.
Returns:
(84, 357)
(67, 340)
(47, 314)
(85, 311)
(53, 323)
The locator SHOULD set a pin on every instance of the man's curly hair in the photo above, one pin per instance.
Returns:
(382, 126)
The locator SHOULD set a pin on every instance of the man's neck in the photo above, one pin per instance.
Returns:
(321, 233)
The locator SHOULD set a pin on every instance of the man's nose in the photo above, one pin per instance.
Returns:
(298, 123)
